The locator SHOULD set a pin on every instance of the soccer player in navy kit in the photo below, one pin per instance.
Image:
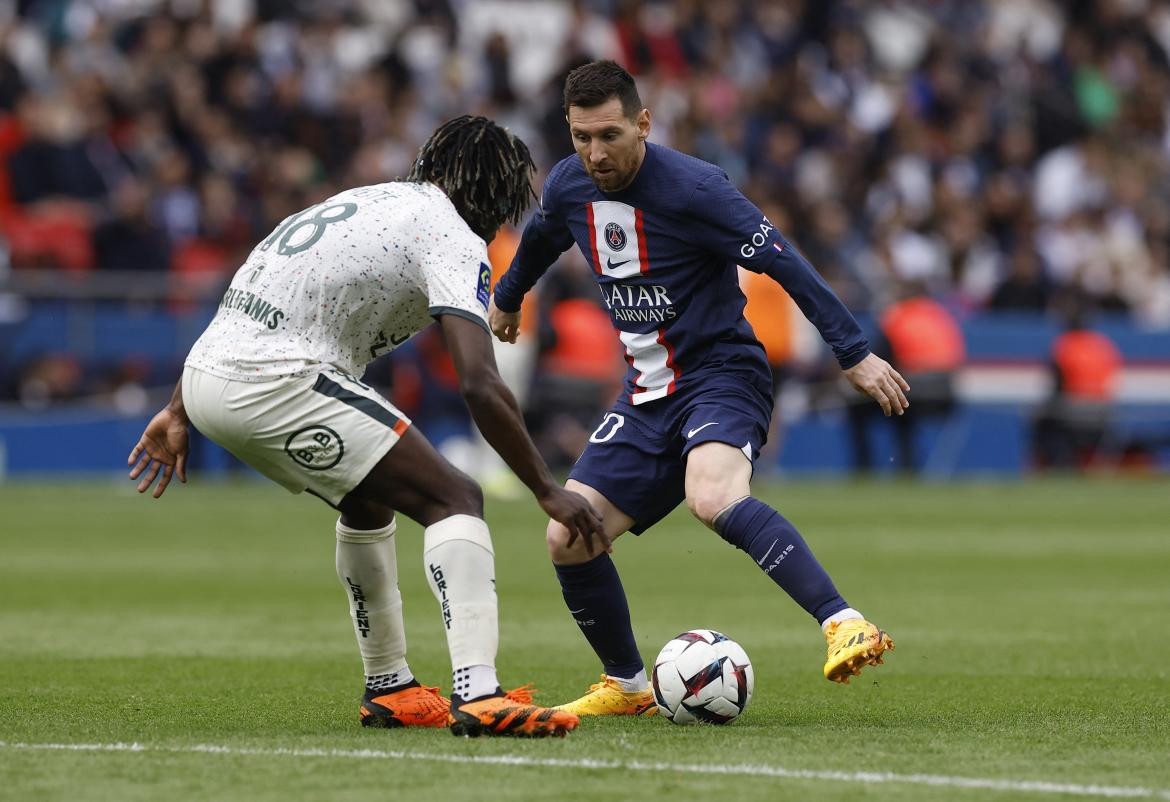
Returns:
(664, 233)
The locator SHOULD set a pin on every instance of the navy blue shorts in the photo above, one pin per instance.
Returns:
(636, 457)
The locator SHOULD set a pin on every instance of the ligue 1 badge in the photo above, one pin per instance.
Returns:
(615, 235)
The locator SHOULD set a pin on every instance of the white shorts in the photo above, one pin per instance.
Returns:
(323, 432)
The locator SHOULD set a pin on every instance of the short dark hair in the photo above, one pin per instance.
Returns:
(594, 83)
(485, 170)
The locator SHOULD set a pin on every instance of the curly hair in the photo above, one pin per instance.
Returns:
(485, 171)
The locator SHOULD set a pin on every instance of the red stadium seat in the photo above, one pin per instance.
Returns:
(56, 236)
(198, 257)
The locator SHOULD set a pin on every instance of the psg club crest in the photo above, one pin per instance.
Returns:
(615, 235)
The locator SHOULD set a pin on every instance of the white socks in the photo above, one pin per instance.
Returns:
(460, 567)
(368, 571)
(472, 682)
(384, 682)
(838, 617)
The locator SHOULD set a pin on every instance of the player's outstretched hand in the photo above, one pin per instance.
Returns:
(161, 448)
(505, 325)
(577, 515)
(876, 378)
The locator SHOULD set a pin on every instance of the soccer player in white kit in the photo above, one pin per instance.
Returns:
(273, 379)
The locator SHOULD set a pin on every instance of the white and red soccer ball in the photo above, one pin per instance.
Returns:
(702, 675)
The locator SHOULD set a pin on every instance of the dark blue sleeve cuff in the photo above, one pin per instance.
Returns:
(853, 356)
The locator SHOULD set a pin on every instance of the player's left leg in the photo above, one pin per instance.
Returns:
(718, 493)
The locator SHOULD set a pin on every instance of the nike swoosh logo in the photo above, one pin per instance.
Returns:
(766, 553)
(612, 265)
(574, 612)
(693, 432)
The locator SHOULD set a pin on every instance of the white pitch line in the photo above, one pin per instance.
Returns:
(736, 770)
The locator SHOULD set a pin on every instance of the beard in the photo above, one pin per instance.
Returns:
(612, 179)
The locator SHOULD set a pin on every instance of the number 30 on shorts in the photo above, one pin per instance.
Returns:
(608, 428)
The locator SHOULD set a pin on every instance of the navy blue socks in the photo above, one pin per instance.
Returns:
(775, 545)
(595, 597)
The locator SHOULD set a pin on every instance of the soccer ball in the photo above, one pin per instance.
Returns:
(702, 675)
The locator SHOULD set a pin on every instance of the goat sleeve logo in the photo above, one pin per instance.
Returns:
(615, 236)
(317, 448)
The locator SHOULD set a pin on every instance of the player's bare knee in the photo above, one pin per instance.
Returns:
(459, 495)
(364, 515)
(470, 496)
(706, 504)
(556, 537)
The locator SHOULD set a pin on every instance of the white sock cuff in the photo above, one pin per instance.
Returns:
(458, 527)
(346, 534)
(842, 615)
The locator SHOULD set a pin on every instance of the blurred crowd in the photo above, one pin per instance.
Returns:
(997, 151)
(992, 154)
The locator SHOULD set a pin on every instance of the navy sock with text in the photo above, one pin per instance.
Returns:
(595, 597)
(781, 553)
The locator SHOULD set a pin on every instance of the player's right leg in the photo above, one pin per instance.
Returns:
(631, 474)
(367, 567)
(594, 595)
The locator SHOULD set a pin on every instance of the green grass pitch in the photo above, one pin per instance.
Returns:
(209, 629)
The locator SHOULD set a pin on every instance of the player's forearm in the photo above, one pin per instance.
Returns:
(730, 224)
(175, 405)
(533, 258)
(494, 409)
(820, 305)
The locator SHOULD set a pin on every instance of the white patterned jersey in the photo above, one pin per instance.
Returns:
(345, 281)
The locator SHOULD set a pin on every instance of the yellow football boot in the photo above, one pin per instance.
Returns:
(606, 698)
(853, 645)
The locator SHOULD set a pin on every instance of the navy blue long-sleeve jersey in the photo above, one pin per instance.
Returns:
(664, 252)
